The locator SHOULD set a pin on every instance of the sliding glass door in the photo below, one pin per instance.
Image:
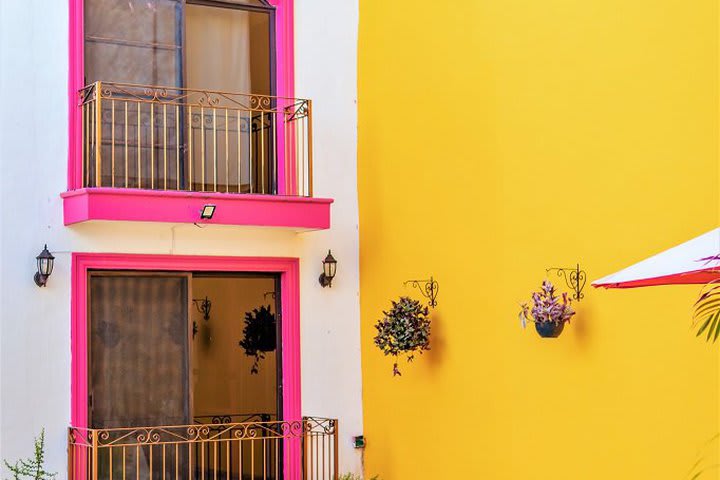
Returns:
(139, 350)
(139, 361)
(185, 373)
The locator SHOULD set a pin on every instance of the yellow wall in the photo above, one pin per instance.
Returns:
(498, 138)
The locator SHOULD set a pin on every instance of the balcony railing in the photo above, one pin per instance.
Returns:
(168, 138)
(220, 419)
(238, 451)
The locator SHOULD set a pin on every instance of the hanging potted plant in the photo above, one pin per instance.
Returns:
(404, 330)
(259, 335)
(549, 312)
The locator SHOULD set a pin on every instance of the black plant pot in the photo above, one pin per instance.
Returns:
(549, 329)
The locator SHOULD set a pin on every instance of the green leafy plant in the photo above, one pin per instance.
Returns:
(32, 467)
(353, 476)
(404, 330)
(259, 335)
(706, 312)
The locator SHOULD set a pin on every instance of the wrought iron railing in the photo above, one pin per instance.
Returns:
(223, 418)
(167, 138)
(300, 450)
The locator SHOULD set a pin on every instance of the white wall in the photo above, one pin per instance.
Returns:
(34, 322)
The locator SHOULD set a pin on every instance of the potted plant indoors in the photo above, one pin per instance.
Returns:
(549, 312)
(403, 330)
(259, 335)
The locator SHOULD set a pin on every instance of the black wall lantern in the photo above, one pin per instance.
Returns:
(329, 269)
(45, 263)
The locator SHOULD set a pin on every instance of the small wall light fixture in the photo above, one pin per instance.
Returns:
(329, 269)
(45, 263)
(207, 212)
(359, 441)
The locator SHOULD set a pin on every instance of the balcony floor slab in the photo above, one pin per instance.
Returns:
(291, 212)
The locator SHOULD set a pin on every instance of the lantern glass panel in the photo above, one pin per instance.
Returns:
(44, 266)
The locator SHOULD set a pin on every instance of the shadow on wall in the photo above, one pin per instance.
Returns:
(437, 342)
(582, 324)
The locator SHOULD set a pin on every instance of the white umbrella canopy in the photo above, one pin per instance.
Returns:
(696, 261)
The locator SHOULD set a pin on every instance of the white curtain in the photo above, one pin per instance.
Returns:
(218, 48)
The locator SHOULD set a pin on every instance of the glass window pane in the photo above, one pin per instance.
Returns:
(228, 49)
(133, 41)
(129, 64)
(139, 351)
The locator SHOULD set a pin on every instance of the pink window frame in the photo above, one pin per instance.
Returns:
(288, 268)
(285, 74)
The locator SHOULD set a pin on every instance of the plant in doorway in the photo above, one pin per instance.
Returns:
(549, 312)
(354, 476)
(32, 467)
(403, 330)
(259, 335)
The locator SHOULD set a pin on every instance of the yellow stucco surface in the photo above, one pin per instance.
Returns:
(499, 138)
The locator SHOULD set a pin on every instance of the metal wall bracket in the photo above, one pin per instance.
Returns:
(575, 279)
(428, 289)
(269, 294)
(203, 306)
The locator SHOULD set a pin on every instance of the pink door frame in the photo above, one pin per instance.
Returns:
(285, 74)
(289, 270)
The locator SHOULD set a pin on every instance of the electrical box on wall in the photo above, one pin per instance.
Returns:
(359, 441)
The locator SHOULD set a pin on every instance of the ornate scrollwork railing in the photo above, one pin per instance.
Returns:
(168, 138)
(305, 449)
(221, 419)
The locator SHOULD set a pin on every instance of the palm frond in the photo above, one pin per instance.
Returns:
(706, 312)
(705, 461)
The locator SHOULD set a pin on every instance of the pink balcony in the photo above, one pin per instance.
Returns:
(160, 154)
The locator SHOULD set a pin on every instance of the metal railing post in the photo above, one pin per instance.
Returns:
(305, 458)
(310, 149)
(336, 433)
(94, 454)
(70, 452)
(98, 134)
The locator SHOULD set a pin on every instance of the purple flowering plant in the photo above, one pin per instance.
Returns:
(547, 307)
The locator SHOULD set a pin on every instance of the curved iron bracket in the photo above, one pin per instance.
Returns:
(269, 294)
(203, 306)
(428, 289)
(575, 279)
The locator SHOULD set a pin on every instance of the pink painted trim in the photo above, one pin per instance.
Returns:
(285, 39)
(75, 83)
(124, 204)
(289, 269)
(285, 71)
